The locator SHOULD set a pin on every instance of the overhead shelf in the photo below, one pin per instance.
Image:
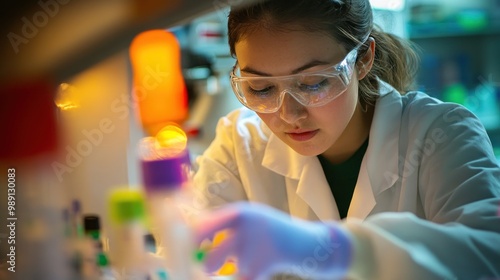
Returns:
(433, 19)
(65, 37)
(451, 29)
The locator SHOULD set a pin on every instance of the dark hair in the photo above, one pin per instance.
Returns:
(348, 21)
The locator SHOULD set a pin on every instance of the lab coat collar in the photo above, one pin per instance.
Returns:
(283, 160)
(384, 139)
(374, 176)
(379, 167)
(306, 181)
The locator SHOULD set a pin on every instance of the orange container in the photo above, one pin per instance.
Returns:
(159, 90)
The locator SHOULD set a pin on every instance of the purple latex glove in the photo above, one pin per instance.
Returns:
(265, 242)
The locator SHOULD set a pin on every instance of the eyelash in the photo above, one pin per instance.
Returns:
(259, 91)
(304, 87)
(315, 86)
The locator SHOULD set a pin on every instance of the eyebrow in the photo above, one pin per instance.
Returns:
(306, 66)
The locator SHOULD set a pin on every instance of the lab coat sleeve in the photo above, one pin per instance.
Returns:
(459, 188)
(217, 180)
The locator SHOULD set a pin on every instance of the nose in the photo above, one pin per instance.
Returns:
(291, 110)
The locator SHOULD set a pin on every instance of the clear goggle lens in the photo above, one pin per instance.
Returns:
(266, 94)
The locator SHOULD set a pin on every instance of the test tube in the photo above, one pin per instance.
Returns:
(127, 249)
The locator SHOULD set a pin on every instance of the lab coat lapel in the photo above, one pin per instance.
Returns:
(376, 176)
(315, 191)
(306, 185)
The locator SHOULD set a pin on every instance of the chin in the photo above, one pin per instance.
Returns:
(308, 150)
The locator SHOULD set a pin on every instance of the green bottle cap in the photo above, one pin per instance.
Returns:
(127, 205)
(94, 234)
(199, 255)
(102, 260)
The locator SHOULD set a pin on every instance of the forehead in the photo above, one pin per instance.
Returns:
(279, 52)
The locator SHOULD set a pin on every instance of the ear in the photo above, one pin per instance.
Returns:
(365, 62)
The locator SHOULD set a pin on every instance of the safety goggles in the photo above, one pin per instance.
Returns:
(266, 94)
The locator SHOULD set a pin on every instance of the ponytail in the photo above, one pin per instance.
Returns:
(396, 62)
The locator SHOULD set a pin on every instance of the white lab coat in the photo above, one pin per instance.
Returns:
(427, 200)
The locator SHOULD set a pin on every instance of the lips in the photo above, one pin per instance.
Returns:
(302, 135)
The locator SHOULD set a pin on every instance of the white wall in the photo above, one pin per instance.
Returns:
(96, 134)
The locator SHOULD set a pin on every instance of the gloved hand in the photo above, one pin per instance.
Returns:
(266, 242)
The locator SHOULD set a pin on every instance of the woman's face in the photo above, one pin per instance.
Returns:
(309, 131)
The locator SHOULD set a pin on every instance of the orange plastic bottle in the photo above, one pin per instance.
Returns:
(159, 89)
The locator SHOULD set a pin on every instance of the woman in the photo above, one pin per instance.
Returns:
(395, 184)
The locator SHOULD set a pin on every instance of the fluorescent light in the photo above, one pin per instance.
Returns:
(392, 5)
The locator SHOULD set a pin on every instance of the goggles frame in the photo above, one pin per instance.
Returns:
(342, 70)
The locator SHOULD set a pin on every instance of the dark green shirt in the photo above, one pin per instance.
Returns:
(342, 178)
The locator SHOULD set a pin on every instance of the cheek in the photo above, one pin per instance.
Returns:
(337, 114)
(273, 121)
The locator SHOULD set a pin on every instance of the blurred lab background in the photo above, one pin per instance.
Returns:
(74, 55)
